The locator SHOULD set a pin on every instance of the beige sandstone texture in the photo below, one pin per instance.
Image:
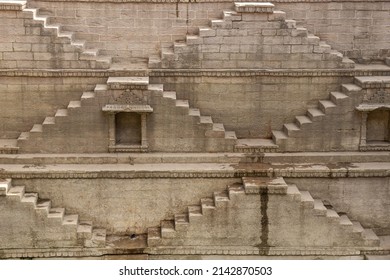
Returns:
(212, 129)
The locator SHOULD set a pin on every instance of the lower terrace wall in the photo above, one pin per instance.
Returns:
(132, 29)
(363, 199)
(28, 100)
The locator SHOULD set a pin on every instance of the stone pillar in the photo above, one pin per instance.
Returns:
(111, 130)
(144, 139)
(363, 129)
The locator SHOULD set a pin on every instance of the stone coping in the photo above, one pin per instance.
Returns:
(201, 170)
(227, 158)
(209, 1)
(49, 73)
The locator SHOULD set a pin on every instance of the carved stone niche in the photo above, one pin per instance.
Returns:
(127, 130)
(375, 127)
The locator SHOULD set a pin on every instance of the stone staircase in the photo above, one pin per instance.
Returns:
(295, 136)
(215, 223)
(80, 232)
(188, 53)
(35, 140)
(90, 57)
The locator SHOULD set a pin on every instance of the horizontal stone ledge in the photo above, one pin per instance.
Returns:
(208, 1)
(12, 5)
(48, 73)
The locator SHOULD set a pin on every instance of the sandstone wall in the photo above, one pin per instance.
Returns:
(365, 200)
(26, 101)
(125, 205)
(357, 28)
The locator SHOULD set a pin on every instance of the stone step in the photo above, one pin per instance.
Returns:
(30, 198)
(206, 32)
(70, 220)
(169, 94)
(357, 227)
(84, 228)
(373, 81)
(387, 61)
(9, 146)
(255, 145)
(61, 113)
(291, 129)
(306, 199)
(5, 185)
(193, 40)
(277, 16)
(345, 221)
(302, 121)
(194, 211)
(101, 88)
(235, 189)
(315, 114)
(254, 7)
(348, 88)
(278, 137)
(156, 88)
(56, 213)
(24, 136)
(43, 205)
(255, 185)
(370, 238)
(168, 229)
(194, 112)
(87, 95)
(230, 135)
(154, 236)
(128, 82)
(207, 121)
(80, 44)
(181, 222)
(207, 204)
(294, 192)
(16, 192)
(299, 32)
(313, 40)
(331, 214)
(319, 208)
(90, 54)
(98, 238)
(74, 104)
(49, 121)
(348, 63)
(220, 198)
(231, 15)
(65, 34)
(326, 105)
(37, 128)
(217, 130)
(337, 97)
(103, 62)
(183, 104)
(290, 24)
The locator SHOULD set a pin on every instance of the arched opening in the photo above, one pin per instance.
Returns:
(128, 129)
(378, 127)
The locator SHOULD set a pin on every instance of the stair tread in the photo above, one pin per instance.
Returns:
(194, 112)
(319, 205)
(369, 234)
(167, 226)
(206, 119)
(30, 197)
(154, 233)
(293, 190)
(156, 87)
(88, 94)
(351, 87)
(303, 119)
(36, 128)
(61, 113)
(70, 220)
(279, 134)
(56, 213)
(230, 135)
(327, 103)
(128, 80)
(84, 227)
(74, 104)
(101, 87)
(236, 188)
(344, 220)
(306, 197)
(218, 127)
(315, 112)
(17, 190)
(291, 126)
(221, 196)
(49, 120)
(332, 214)
(182, 103)
(99, 234)
(181, 219)
(338, 95)
(169, 94)
(43, 204)
(194, 210)
(357, 227)
(207, 203)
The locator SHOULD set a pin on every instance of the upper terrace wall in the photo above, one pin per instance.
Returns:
(132, 29)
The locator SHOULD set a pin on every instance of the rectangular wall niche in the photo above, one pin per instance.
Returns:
(127, 127)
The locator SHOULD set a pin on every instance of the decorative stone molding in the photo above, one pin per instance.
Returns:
(192, 73)
(254, 7)
(12, 5)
